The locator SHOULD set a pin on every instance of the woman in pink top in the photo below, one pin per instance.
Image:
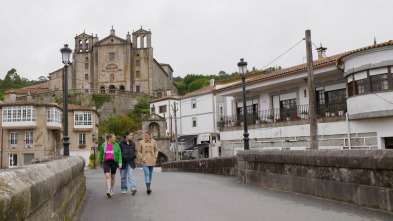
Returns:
(110, 159)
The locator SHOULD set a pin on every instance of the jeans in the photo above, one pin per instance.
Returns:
(127, 172)
(148, 170)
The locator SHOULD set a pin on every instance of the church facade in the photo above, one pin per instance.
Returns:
(114, 64)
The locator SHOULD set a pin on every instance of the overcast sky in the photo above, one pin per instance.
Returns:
(198, 37)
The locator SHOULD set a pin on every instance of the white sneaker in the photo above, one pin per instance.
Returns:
(112, 193)
(123, 192)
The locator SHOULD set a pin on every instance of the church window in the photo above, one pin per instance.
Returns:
(144, 42)
(111, 56)
(86, 65)
(102, 89)
(137, 89)
(80, 46)
(121, 88)
(138, 42)
(86, 77)
(112, 89)
(112, 77)
(87, 45)
(137, 75)
(137, 63)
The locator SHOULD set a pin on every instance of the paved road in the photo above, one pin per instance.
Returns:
(189, 196)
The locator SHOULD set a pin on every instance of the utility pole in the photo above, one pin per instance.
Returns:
(311, 94)
(174, 108)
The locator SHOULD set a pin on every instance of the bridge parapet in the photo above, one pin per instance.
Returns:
(43, 191)
(218, 165)
(362, 177)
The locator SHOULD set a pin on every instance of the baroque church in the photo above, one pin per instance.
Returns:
(114, 64)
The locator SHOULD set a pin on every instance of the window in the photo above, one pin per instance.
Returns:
(82, 139)
(137, 89)
(86, 90)
(137, 63)
(162, 109)
(29, 139)
(137, 74)
(193, 103)
(13, 138)
(321, 97)
(13, 159)
(86, 65)
(82, 118)
(19, 114)
(379, 82)
(54, 115)
(336, 96)
(86, 77)
(111, 56)
(152, 109)
(194, 122)
(102, 90)
(159, 94)
(350, 88)
(362, 86)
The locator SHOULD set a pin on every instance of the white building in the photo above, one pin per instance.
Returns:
(277, 104)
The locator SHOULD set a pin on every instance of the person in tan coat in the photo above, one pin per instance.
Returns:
(147, 154)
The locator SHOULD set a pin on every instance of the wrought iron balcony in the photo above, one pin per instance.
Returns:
(298, 112)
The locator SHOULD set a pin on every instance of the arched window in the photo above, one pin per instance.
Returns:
(102, 89)
(145, 41)
(112, 78)
(138, 42)
(121, 88)
(112, 89)
(87, 45)
(80, 46)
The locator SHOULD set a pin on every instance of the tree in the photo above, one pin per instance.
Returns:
(198, 84)
(42, 79)
(181, 88)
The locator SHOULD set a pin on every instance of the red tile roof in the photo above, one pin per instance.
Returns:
(34, 89)
(365, 48)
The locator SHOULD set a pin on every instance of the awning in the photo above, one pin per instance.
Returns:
(198, 146)
(186, 138)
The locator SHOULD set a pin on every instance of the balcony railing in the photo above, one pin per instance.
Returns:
(285, 114)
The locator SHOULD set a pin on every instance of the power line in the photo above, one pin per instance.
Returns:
(284, 52)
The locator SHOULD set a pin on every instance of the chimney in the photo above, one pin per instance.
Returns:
(321, 52)
(211, 81)
(29, 98)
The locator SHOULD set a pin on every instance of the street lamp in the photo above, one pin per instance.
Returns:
(242, 71)
(65, 52)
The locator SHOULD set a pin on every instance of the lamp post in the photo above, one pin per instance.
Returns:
(65, 52)
(243, 70)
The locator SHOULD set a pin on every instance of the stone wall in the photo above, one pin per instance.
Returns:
(44, 191)
(362, 177)
(218, 165)
(119, 104)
